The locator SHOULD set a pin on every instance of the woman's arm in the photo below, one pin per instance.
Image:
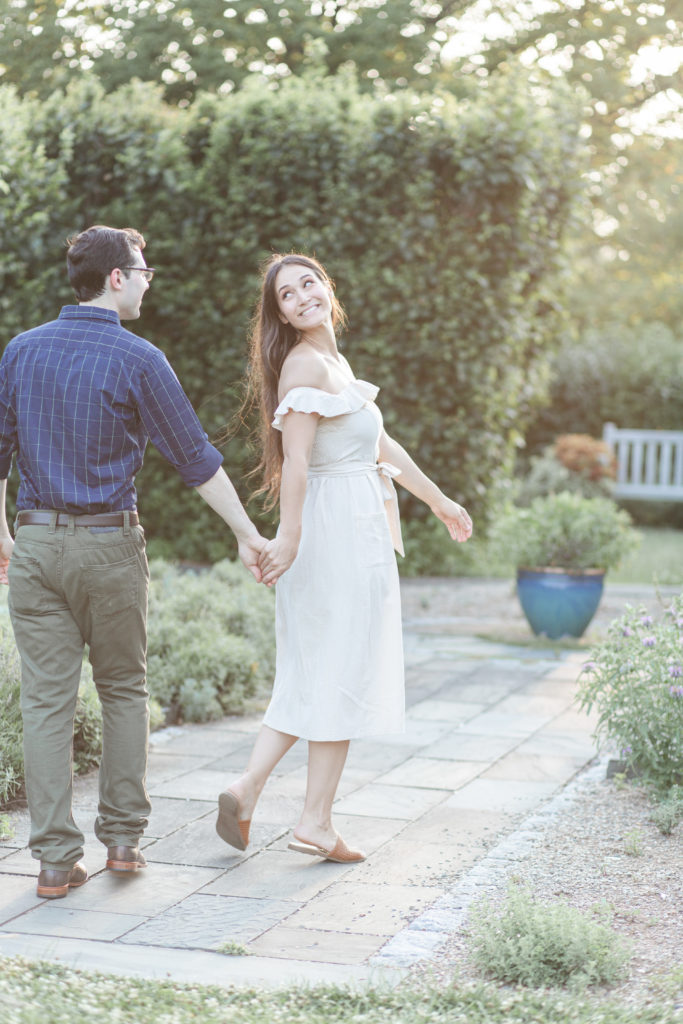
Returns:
(414, 480)
(298, 434)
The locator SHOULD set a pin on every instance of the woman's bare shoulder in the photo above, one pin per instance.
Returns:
(303, 368)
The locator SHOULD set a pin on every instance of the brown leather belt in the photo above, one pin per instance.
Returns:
(43, 517)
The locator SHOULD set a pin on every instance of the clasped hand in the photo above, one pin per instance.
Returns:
(275, 559)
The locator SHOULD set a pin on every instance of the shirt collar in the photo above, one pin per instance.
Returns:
(88, 313)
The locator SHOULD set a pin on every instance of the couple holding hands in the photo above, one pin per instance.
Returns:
(80, 397)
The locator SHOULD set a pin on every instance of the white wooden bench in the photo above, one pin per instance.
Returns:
(649, 463)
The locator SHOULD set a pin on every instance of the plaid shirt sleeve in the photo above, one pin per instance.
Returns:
(172, 424)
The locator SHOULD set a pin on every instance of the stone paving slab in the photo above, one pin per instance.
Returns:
(202, 784)
(534, 768)
(451, 711)
(466, 746)
(408, 862)
(164, 765)
(58, 918)
(203, 921)
(504, 723)
(169, 814)
(405, 801)
(198, 844)
(147, 892)
(365, 908)
(457, 827)
(17, 896)
(501, 795)
(273, 871)
(431, 773)
(309, 944)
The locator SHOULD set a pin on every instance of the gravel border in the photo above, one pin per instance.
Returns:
(593, 843)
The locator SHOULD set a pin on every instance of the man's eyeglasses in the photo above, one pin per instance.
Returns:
(147, 272)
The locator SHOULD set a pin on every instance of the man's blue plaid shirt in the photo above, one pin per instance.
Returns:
(80, 397)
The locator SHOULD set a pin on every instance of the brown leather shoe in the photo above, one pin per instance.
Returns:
(54, 884)
(125, 858)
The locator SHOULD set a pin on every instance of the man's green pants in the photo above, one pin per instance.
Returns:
(72, 586)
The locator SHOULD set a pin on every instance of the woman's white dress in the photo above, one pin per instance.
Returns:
(339, 668)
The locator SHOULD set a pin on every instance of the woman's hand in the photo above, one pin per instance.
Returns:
(276, 558)
(455, 517)
(6, 546)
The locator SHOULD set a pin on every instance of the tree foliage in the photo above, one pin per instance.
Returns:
(442, 223)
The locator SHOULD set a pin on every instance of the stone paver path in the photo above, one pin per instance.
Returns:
(492, 734)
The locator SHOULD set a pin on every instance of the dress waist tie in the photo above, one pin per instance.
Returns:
(386, 472)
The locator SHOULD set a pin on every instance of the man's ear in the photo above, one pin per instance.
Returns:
(115, 279)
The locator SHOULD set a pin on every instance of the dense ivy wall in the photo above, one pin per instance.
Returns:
(441, 224)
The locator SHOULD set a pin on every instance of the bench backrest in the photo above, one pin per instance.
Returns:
(649, 463)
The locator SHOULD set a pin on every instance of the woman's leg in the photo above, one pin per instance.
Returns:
(269, 748)
(325, 764)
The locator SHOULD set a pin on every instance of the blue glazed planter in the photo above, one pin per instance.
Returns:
(559, 603)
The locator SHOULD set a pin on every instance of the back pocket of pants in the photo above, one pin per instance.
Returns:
(113, 588)
(28, 593)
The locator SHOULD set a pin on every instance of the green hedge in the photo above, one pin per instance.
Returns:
(441, 222)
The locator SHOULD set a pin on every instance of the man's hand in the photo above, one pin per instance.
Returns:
(6, 547)
(249, 552)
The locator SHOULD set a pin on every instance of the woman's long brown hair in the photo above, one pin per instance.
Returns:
(270, 342)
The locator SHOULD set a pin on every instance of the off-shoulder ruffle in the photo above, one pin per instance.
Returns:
(304, 399)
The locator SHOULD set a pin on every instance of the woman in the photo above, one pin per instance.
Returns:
(339, 671)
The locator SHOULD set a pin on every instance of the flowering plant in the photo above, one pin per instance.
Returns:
(635, 681)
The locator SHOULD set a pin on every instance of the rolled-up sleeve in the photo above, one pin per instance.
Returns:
(8, 424)
(173, 425)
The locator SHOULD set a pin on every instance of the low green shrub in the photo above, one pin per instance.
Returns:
(668, 812)
(524, 942)
(634, 680)
(211, 642)
(564, 530)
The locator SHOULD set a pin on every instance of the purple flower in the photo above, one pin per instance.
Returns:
(646, 620)
(628, 749)
(627, 631)
(679, 623)
(675, 670)
(649, 641)
(589, 667)
(676, 691)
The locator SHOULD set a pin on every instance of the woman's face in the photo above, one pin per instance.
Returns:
(303, 299)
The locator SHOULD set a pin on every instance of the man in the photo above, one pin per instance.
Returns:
(79, 399)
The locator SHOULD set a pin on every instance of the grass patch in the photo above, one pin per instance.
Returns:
(33, 993)
(658, 559)
(231, 947)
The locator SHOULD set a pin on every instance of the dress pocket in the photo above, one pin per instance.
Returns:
(113, 588)
(374, 539)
